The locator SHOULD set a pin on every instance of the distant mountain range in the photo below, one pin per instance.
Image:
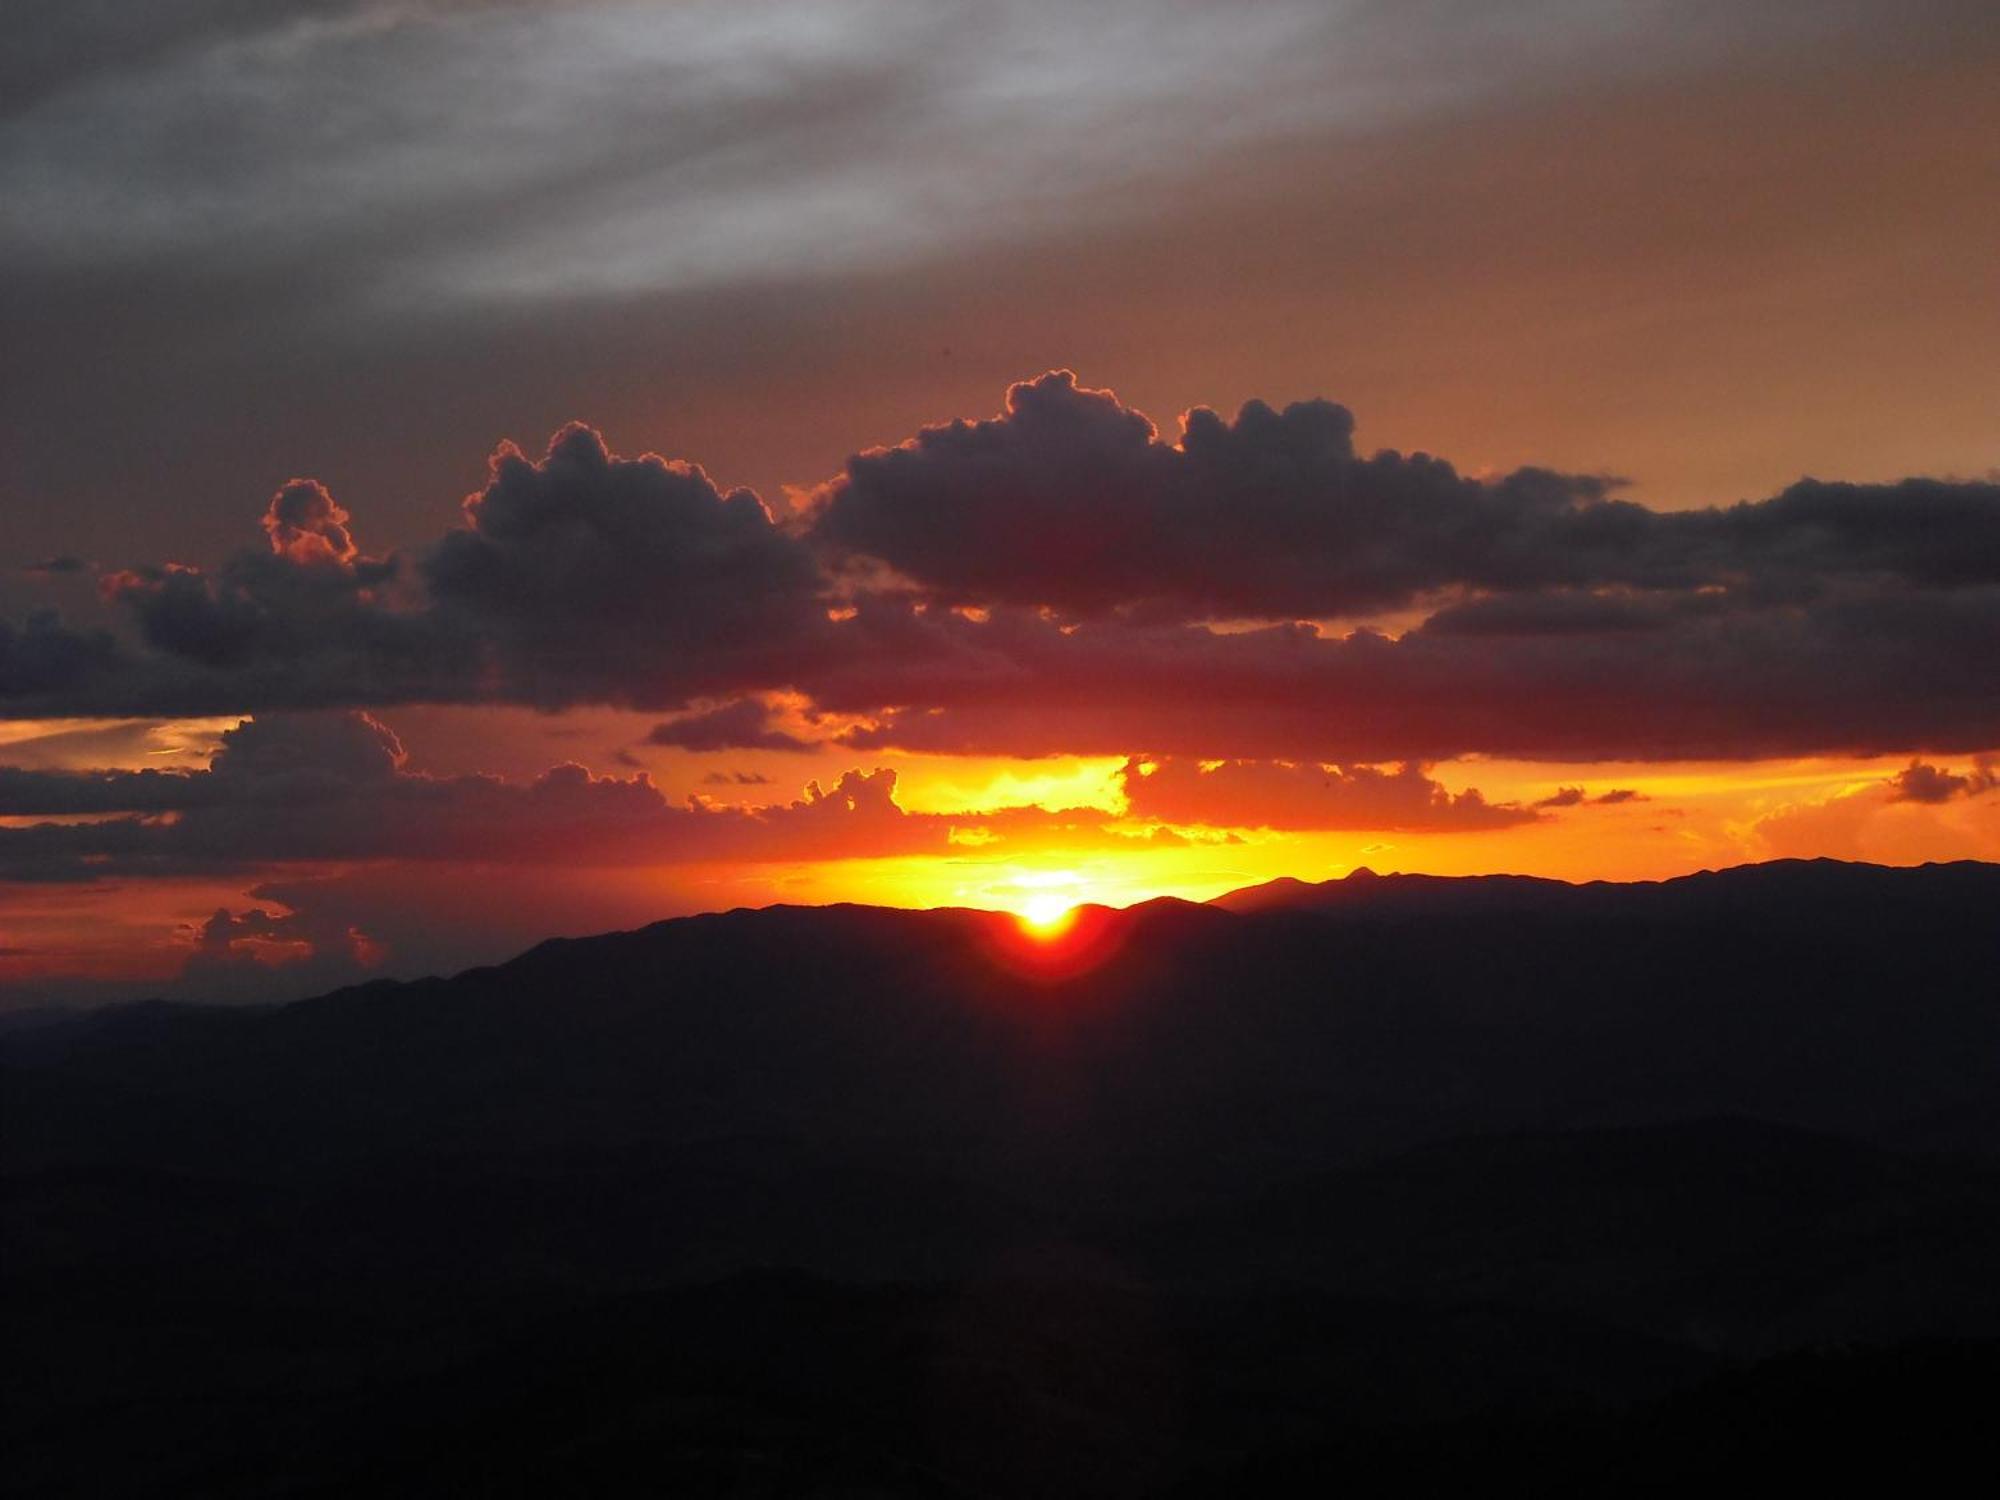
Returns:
(1167, 1205)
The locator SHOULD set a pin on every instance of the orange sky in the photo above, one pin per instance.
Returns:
(1619, 267)
(1683, 817)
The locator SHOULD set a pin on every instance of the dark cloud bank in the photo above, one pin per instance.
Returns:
(1062, 579)
(332, 787)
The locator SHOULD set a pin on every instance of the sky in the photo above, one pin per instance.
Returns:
(472, 472)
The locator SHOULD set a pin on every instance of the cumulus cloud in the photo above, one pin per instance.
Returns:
(257, 954)
(307, 525)
(1298, 796)
(589, 576)
(1072, 500)
(577, 577)
(1060, 579)
(1920, 781)
(303, 621)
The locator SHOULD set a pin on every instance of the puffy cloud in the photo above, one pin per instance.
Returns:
(226, 934)
(310, 593)
(305, 621)
(258, 954)
(306, 525)
(1039, 583)
(1072, 500)
(590, 577)
(321, 751)
(1920, 781)
(743, 725)
(578, 577)
(1283, 795)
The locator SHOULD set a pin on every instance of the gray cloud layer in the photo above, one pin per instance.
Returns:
(358, 238)
(502, 151)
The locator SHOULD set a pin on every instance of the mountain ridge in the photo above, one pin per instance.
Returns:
(918, 1191)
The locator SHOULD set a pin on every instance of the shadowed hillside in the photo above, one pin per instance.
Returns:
(912, 1202)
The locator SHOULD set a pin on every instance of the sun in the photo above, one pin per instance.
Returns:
(1046, 913)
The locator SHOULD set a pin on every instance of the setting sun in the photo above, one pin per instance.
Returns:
(1000, 748)
(1047, 912)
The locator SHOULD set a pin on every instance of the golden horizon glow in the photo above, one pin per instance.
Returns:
(1046, 914)
(1679, 817)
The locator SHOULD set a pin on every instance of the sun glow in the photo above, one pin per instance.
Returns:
(1047, 913)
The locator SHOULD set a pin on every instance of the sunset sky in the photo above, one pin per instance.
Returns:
(472, 472)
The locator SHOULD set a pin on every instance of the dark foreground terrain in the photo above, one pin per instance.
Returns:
(1387, 1186)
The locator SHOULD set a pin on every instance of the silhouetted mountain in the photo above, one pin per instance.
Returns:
(1192, 1198)
(1787, 891)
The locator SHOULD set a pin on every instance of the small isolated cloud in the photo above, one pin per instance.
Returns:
(226, 933)
(255, 954)
(1899, 819)
(307, 525)
(747, 724)
(1922, 782)
(1576, 796)
(735, 778)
